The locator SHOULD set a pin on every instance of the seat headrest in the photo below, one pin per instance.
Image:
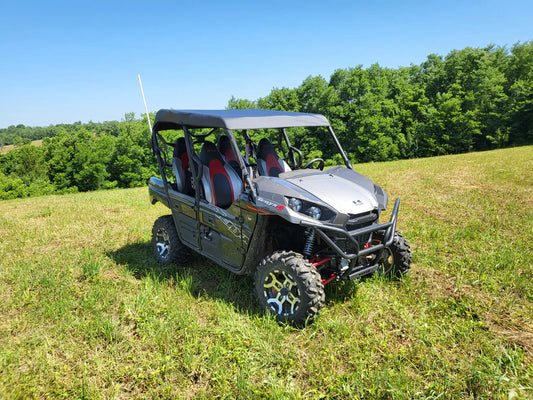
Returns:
(209, 152)
(265, 147)
(224, 143)
(179, 148)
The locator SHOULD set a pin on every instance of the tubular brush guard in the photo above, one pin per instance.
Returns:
(389, 228)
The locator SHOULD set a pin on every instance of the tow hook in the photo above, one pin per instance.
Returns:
(370, 256)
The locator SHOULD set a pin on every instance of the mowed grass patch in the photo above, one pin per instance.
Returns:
(87, 313)
(8, 147)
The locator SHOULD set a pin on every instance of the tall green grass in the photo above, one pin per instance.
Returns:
(85, 312)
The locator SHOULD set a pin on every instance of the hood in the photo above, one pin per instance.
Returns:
(348, 194)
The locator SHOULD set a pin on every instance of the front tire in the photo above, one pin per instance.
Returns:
(289, 287)
(396, 260)
(167, 248)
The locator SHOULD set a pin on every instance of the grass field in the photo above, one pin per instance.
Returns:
(9, 147)
(86, 313)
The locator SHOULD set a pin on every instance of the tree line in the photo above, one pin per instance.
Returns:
(470, 100)
(80, 157)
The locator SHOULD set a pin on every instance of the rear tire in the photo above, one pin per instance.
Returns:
(289, 287)
(167, 248)
(396, 260)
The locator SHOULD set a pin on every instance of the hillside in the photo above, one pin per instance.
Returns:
(9, 147)
(86, 313)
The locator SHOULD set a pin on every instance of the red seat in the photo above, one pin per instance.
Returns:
(225, 149)
(221, 183)
(268, 161)
(180, 165)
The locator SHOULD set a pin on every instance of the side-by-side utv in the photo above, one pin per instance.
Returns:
(241, 194)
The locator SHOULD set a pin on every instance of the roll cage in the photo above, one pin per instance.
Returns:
(195, 123)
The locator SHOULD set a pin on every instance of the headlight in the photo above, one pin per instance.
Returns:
(314, 212)
(295, 204)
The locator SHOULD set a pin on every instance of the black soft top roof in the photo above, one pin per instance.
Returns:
(236, 119)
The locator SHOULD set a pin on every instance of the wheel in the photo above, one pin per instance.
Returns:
(396, 260)
(314, 161)
(289, 287)
(166, 245)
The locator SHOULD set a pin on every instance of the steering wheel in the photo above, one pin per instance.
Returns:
(318, 160)
(295, 162)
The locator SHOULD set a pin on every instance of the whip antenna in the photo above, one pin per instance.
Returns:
(144, 100)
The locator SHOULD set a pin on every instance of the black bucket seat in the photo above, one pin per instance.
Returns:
(180, 165)
(220, 182)
(225, 149)
(268, 161)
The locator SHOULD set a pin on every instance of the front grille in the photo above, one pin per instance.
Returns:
(357, 221)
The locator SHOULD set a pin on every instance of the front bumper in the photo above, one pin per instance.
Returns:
(388, 227)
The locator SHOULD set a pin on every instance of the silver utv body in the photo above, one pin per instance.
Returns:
(264, 212)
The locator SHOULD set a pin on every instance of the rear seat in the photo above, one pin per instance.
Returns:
(225, 149)
(181, 168)
(222, 185)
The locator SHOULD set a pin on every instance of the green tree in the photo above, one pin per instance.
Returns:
(79, 159)
(283, 99)
(240, 104)
(132, 163)
(520, 91)
(26, 162)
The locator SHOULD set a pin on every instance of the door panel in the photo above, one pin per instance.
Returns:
(184, 216)
(249, 220)
(220, 234)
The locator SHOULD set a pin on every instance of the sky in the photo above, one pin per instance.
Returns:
(68, 61)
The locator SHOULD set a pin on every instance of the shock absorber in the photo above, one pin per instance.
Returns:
(309, 242)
